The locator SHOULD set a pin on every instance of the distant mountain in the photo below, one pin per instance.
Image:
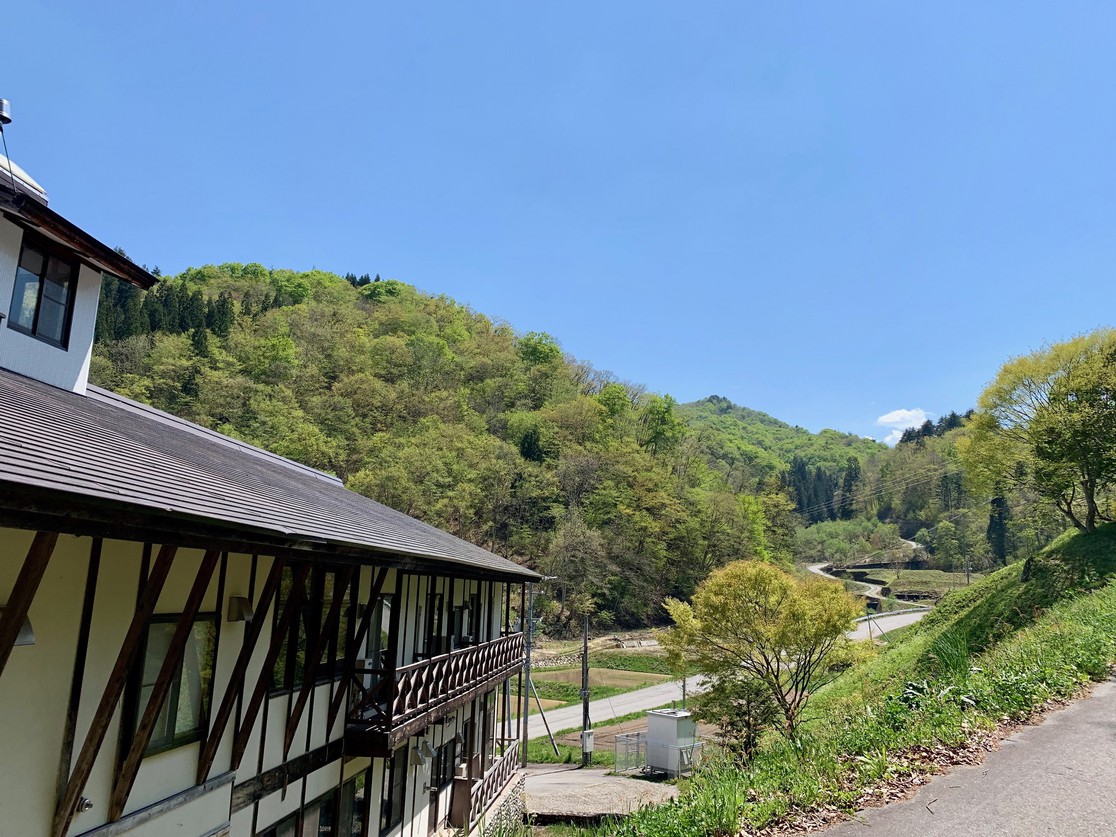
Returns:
(755, 445)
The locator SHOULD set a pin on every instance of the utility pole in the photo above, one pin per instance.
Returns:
(529, 631)
(586, 731)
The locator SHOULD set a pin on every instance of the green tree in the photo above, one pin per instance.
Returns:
(754, 619)
(662, 428)
(1048, 421)
(741, 708)
(998, 532)
(846, 507)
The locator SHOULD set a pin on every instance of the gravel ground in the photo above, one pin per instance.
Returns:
(565, 791)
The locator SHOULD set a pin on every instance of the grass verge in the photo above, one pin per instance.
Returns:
(996, 651)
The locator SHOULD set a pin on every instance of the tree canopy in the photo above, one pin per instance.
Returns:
(1048, 421)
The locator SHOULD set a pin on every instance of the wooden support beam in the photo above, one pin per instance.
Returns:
(354, 647)
(27, 583)
(240, 669)
(290, 609)
(126, 778)
(309, 667)
(118, 678)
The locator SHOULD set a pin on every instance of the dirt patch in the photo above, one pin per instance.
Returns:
(601, 677)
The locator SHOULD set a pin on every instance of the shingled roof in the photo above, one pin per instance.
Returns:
(104, 451)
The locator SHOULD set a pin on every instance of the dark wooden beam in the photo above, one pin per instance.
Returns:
(354, 647)
(236, 680)
(27, 583)
(118, 678)
(310, 666)
(80, 655)
(126, 777)
(266, 783)
(290, 609)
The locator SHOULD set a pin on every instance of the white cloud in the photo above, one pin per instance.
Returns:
(899, 420)
(892, 438)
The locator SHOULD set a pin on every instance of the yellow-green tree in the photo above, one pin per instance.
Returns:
(1048, 421)
(753, 619)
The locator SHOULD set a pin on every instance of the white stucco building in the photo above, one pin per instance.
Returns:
(202, 638)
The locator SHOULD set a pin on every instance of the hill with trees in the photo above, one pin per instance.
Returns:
(443, 413)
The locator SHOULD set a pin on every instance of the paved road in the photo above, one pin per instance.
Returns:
(1058, 778)
(876, 625)
(870, 591)
(605, 709)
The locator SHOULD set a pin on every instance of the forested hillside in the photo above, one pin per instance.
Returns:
(438, 411)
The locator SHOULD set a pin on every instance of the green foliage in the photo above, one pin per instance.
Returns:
(841, 541)
(741, 708)
(749, 446)
(753, 619)
(1048, 421)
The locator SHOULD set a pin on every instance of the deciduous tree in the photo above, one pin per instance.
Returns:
(753, 619)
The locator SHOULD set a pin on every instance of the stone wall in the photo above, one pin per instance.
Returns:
(506, 816)
(556, 661)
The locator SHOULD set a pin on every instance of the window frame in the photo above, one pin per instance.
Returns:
(132, 708)
(393, 791)
(49, 251)
(307, 625)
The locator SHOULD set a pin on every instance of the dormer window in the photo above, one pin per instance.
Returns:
(43, 298)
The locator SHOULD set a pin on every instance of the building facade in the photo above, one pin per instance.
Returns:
(202, 638)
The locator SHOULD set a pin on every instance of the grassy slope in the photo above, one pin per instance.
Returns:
(997, 650)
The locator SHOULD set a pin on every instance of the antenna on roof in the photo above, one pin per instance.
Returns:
(6, 119)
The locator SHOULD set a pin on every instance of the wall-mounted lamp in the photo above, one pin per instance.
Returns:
(422, 753)
(459, 739)
(240, 609)
(26, 635)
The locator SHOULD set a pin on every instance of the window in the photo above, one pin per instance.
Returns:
(186, 709)
(393, 791)
(287, 827)
(445, 764)
(43, 296)
(352, 807)
(317, 816)
(307, 626)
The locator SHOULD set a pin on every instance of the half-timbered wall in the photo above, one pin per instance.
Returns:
(49, 699)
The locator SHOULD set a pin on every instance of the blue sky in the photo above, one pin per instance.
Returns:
(827, 211)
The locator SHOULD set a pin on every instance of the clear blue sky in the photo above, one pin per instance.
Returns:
(827, 211)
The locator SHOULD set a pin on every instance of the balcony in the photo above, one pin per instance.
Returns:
(386, 708)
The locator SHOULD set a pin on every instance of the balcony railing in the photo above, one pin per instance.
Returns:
(471, 797)
(422, 692)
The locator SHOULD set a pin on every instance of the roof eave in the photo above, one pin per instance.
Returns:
(25, 210)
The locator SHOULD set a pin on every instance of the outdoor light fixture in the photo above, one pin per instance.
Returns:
(240, 609)
(26, 635)
(459, 739)
(422, 753)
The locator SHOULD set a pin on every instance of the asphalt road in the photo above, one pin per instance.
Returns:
(876, 625)
(606, 709)
(1058, 778)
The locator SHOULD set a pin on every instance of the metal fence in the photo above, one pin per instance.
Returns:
(631, 752)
